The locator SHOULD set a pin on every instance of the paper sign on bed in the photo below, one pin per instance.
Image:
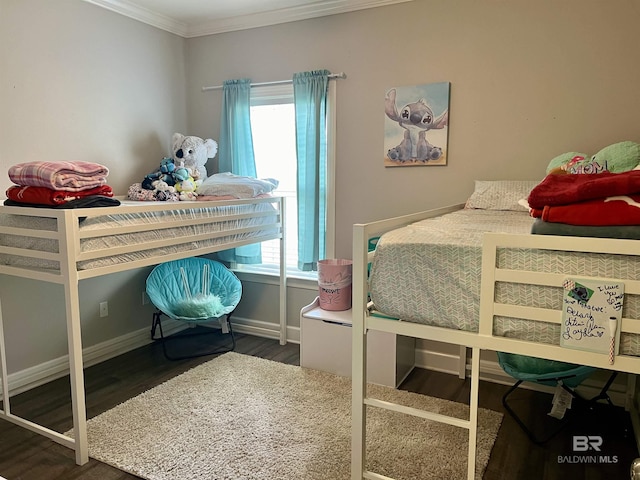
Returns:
(591, 314)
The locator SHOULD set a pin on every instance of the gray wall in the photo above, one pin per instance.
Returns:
(78, 82)
(529, 80)
(82, 83)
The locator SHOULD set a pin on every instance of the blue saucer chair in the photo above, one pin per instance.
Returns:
(550, 373)
(196, 291)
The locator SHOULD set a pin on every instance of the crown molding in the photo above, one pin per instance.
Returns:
(240, 22)
(285, 15)
(143, 15)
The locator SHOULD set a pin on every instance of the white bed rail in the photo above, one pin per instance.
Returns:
(362, 322)
(67, 237)
(493, 274)
(175, 215)
(484, 339)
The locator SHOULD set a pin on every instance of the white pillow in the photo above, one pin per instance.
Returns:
(228, 184)
(500, 194)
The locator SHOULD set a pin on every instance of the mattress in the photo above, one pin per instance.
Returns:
(219, 225)
(429, 272)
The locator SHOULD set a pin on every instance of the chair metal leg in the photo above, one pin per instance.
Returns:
(603, 395)
(156, 324)
(535, 439)
(163, 340)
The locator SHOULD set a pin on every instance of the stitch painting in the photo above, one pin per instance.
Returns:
(416, 128)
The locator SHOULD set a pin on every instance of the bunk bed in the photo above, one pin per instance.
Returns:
(507, 297)
(65, 246)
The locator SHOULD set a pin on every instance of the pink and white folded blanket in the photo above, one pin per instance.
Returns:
(69, 176)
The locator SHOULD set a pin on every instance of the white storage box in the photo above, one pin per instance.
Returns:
(325, 344)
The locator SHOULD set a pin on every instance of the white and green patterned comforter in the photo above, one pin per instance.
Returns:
(429, 272)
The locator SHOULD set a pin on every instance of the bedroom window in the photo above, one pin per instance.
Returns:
(273, 129)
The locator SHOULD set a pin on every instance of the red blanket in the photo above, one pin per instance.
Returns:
(566, 189)
(619, 210)
(48, 196)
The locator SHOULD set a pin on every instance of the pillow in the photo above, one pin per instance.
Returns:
(501, 194)
(617, 158)
(237, 186)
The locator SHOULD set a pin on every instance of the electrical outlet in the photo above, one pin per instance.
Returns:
(145, 298)
(104, 309)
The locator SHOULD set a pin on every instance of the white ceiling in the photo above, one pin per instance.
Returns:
(193, 18)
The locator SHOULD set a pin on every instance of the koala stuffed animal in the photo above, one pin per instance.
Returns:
(193, 153)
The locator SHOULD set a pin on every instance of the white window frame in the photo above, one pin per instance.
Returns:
(273, 94)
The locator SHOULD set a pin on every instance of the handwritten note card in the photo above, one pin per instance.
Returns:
(591, 314)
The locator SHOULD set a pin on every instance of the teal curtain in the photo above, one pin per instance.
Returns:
(235, 151)
(235, 148)
(310, 99)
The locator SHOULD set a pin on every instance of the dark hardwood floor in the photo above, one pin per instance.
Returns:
(28, 456)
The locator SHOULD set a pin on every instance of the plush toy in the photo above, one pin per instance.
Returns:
(165, 173)
(181, 174)
(187, 189)
(168, 172)
(164, 192)
(167, 169)
(193, 153)
(617, 158)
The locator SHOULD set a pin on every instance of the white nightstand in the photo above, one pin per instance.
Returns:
(325, 344)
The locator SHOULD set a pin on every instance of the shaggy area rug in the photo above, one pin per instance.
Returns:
(242, 417)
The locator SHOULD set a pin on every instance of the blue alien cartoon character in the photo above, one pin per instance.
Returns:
(417, 119)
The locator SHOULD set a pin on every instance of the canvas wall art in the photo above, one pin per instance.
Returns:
(416, 128)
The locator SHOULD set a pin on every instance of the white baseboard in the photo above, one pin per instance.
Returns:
(52, 370)
(259, 328)
(442, 362)
(46, 372)
(492, 372)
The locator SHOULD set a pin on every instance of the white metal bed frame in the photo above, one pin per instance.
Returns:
(484, 339)
(68, 236)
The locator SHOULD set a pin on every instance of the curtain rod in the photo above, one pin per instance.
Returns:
(276, 82)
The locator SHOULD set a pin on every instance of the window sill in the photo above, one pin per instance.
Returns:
(272, 278)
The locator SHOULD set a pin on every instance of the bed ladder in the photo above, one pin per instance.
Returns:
(360, 401)
(362, 323)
